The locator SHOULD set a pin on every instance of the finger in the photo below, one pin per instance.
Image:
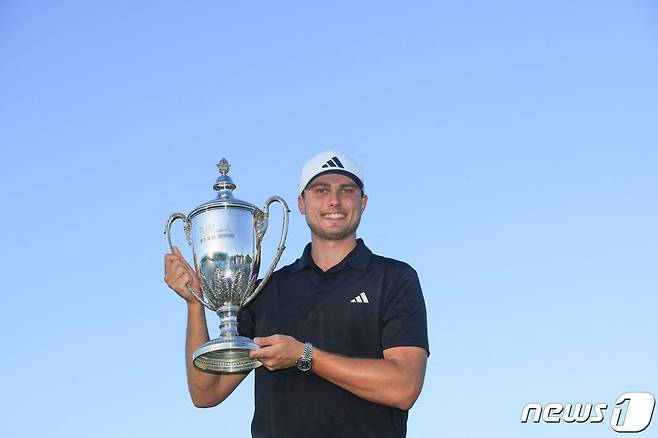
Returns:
(259, 354)
(177, 281)
(169, 259)
(175, 267)
(267, 340)
(175, 254)
(189, 269)
(180, 257)
(182, 276)
(191, 275)
(268, 365)
(178, 253)
(194, 281)
(177, 261)
(178, 271)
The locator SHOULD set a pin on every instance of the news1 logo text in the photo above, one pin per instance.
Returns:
(633, 412)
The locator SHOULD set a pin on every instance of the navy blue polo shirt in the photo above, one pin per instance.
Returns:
(358, 308)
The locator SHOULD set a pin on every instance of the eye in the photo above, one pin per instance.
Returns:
(348, 190)
(321, 190)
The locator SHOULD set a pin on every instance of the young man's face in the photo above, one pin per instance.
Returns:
(332, 204)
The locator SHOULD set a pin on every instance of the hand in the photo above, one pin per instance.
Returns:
(278, 351)
(178, 274)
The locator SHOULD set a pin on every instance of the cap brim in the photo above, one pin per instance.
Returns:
(340, 172)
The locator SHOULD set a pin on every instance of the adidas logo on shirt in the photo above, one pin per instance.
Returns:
(361, 298)
(334, 162)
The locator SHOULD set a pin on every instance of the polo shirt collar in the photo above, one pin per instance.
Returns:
(358, 258)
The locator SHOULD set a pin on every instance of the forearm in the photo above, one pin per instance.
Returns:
(396, 380)
(198, 381)
(206, 389)
(384, 381)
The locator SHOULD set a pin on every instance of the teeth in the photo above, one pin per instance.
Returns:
(334, 215)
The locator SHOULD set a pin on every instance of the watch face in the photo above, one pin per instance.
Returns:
(304, 364)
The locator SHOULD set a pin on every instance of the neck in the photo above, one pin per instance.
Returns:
(328, 253)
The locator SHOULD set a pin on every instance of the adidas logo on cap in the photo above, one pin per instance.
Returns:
(333, 162)
(328, 162)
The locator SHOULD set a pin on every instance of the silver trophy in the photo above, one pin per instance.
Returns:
(225, 235)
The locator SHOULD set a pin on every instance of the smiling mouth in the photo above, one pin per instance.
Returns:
(334, 215)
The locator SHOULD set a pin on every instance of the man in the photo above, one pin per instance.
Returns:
(343, 332)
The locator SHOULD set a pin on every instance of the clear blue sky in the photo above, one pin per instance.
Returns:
(510, 152)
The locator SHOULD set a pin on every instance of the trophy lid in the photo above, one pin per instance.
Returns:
(224, 186)
(224, 182)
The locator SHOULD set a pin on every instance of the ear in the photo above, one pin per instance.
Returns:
(364, 202)
(301, 205)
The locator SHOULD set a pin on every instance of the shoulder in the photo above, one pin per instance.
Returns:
(282, 272)
(271, 287)
(391, 265)
(396, 277)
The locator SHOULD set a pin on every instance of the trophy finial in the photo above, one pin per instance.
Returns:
(223, 166)
(224, 183)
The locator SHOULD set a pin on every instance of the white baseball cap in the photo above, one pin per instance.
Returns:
(330, 162)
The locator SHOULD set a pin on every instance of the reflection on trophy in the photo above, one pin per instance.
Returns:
(225, 235)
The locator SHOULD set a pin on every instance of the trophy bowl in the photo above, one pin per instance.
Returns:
(225, 235)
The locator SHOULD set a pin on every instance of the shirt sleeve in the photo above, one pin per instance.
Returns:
(404, 319)
(246, 324)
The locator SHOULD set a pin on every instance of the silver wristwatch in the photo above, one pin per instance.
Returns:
(305, 362)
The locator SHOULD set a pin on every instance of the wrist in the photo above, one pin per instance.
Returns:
(305, 361)
(194, 306)
(299, 350)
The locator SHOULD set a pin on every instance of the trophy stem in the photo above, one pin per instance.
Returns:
(229, 353)
(228, 320)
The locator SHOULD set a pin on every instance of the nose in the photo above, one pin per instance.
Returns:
(334, 199)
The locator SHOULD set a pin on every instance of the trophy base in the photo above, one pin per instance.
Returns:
(226, 355)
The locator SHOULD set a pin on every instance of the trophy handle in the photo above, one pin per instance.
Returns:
(188, 237)
(261, 227)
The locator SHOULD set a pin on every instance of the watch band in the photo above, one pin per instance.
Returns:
(305, 362)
